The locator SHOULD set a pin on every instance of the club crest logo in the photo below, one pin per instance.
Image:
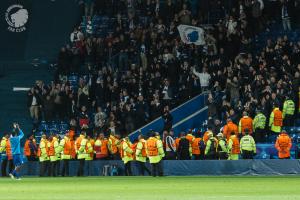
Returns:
(16, 17)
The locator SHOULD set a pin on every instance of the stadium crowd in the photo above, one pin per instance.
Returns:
(154, 71)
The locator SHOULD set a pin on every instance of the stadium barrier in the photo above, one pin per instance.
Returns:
(189, 167)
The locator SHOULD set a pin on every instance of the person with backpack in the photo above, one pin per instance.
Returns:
(211, 147)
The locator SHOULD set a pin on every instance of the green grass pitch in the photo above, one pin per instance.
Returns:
(144, 188)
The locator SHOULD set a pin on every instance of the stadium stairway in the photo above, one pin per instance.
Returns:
(13, 104)
(190, 114)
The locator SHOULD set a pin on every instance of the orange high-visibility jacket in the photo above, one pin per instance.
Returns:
(51, 148)
(152, 147)
(190, 138)
(177, 140)
(114, 147)
(133, 147)
(246, 122)
(235, 145)
(46, 148)
(102, 151)
(27, 151)
(72, 140)
(8, 150)
(228, 128)
(68, 147)
(143, 151)
(277, 118)
(196, 147)
(205, 137)
(121, 151)
(283, 145)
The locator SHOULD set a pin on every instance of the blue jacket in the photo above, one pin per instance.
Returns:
(15, 143)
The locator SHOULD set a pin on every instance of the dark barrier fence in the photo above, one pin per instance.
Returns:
(189, 168)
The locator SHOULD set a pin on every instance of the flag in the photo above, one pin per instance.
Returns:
(191, 34)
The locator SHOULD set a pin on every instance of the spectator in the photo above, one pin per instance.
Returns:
(204, 78)
(168, 119)
(183, 152)
(286, 13)
(83, 117)
(48, 108)
(170, 146)
(34, 103)
(185, 15)
(100, 119)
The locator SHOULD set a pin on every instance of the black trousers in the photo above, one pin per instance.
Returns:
(128, 171)
(170, 155)
(197, 156)
(222, 156)
(65, 168)
(4, 165)
(157, 169)
(142, 168)
(210, 156)
(31, 158)
(116, 156)
(54, 168)
(288, 120)
(247, 154)
(80, 171)
(260, 135)
(44, 168)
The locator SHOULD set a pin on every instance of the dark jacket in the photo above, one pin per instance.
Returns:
(183, 149)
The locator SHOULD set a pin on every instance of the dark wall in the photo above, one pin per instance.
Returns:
(47, 29)
(13, 43)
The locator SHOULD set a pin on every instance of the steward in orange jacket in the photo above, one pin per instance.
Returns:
(133, 148)
(206, 135)
(246, 122)
(283, 145)
(177, 140)
(196, 148)
(30, 149)
(71, 136)
(101, 147)
(229, 128)
(66, 149)
(233, 147)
